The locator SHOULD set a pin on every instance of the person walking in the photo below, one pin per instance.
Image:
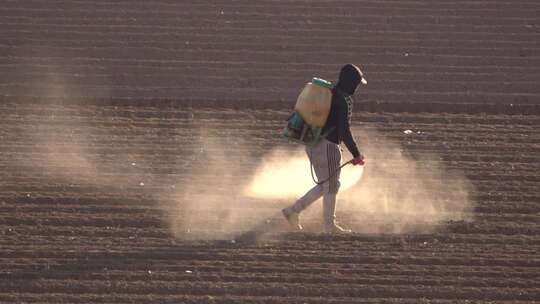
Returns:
(325, 156)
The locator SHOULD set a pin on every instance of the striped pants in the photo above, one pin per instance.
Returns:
(325, 158)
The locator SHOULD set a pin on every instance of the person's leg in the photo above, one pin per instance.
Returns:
(331, 188)
(329, 210)
(292, 213)
(318, 159)
(307, 199)
(329, 203)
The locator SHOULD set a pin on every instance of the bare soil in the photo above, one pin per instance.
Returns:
(113, 112)
(75, 231)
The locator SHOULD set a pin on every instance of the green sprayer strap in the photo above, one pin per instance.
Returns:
(321, 82)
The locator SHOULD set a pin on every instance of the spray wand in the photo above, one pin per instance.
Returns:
(351, 161)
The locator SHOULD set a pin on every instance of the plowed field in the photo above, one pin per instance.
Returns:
(84, 212)
(130, 130)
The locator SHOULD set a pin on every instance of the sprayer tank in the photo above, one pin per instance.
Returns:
(314, 102)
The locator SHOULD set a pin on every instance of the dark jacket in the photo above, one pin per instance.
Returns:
(338, 123)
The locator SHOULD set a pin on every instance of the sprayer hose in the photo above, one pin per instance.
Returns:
(331, 175)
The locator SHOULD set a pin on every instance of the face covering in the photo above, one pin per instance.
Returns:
(350, 77)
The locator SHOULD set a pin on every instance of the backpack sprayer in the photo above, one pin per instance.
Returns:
(310, 113)
(309, 117)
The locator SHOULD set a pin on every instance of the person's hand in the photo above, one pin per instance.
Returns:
(359, 160)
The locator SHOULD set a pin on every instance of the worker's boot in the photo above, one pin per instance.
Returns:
(329, 215)
(293, 218)
(335, 228)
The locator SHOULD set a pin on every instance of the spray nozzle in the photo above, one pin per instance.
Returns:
(357, 161)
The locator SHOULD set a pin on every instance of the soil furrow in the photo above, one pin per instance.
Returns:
(291, 289)
(130, 130)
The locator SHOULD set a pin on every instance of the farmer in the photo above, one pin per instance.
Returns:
(325, 156)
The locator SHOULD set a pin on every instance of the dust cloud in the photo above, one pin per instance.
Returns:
(393, 193)
(285, 174)
(396, 192)
(59, 133)
(404, 192)
(60, 149)
(210, 203)
(223, 188)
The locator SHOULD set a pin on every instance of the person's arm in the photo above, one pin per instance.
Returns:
(344, 129)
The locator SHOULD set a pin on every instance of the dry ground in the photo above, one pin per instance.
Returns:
(78, 226)
(115, 113)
